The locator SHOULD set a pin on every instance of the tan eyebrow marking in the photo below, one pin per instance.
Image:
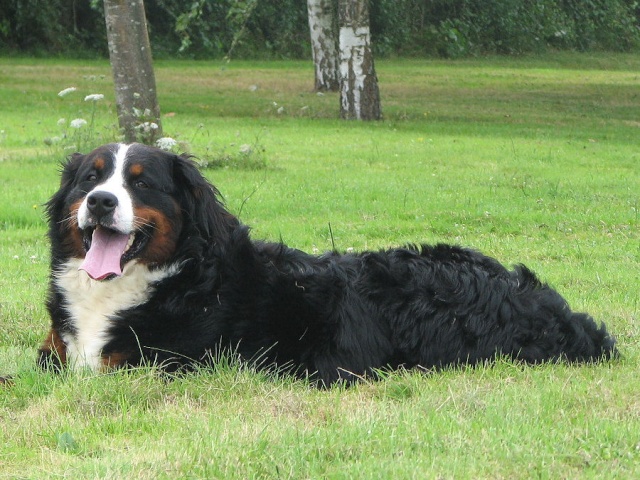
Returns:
(136, 169)
(99, 163)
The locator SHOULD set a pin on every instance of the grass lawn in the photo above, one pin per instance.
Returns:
(531, 160)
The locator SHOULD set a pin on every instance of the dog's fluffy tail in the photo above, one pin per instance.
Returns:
(586, 341)
(577, 338)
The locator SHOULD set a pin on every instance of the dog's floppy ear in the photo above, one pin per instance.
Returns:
(200, 202)
(70, 168)
(67, 177)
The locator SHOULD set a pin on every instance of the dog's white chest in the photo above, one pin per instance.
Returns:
(94, 305)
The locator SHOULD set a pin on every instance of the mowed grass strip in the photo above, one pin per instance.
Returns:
(531, 160)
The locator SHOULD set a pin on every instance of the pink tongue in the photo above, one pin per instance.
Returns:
(103, 258)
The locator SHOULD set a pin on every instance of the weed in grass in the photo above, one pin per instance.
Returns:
(66, 443)
(82, 135)
(247, 156)
(77, 134)
(167, 143)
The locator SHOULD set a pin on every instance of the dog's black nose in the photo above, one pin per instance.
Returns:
(102, 203)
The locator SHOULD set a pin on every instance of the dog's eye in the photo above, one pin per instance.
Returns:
(92, 177)
(140, 184)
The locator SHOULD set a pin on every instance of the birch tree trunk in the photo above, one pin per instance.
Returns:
(359, 94)
(323, 44)
(131, 63)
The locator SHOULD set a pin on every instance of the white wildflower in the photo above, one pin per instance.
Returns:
(62, 121)
(147, 126)
(66, 91)
(253, 88)
(245, 149)
(166, 143)
(280, 110)
(94, 97)
(52, 140)
(78, 123)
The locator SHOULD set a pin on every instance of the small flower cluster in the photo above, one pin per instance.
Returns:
(78, 134)
(77, 124)
(66, 91)
(147, 129)
(94, 97)
(279, 109)
(166, 143)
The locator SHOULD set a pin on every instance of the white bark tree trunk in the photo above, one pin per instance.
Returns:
(359, 93)
(132, 66)
(323, 44)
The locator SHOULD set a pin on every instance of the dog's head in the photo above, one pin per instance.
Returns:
(124, 203)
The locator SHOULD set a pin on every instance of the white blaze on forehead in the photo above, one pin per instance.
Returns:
(123, 217)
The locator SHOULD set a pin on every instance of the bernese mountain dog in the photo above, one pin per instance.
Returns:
(149, 268)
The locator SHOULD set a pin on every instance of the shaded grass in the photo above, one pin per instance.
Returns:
(531, 160)
(506, 416)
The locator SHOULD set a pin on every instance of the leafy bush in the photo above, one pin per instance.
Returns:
(454, 28)
(53, 26)
(241, 28)
(604, 24)
(262, 29)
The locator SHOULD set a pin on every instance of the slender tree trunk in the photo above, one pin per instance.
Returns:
(323, 44)
(359, 94)
(132, 66)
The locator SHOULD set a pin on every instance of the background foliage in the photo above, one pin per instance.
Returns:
(262, 29)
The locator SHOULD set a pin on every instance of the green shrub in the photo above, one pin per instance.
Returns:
(261, 29)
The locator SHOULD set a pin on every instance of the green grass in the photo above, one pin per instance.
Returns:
(531, 160)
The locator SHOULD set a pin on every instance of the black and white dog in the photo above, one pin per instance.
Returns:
(147, 266)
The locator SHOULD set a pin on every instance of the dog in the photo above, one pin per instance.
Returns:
(149, 267)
